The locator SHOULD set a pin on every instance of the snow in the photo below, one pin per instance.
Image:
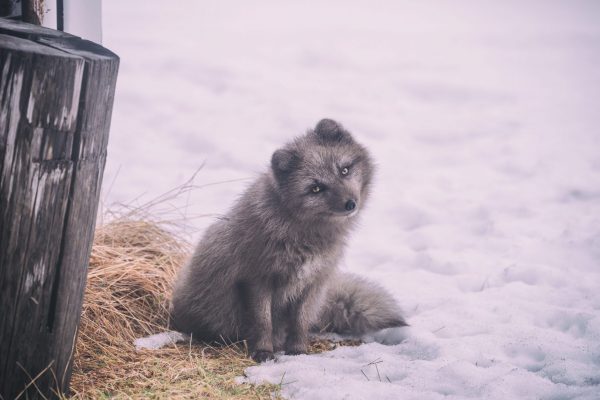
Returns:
(483, 119)
(159, 340)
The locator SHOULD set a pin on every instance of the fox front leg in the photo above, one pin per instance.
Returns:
(297, 338)
(302, 314)
(257, 320)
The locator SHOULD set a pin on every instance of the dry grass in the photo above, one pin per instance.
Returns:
(132, 267)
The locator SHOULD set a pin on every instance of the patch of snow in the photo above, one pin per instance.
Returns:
(159, 340)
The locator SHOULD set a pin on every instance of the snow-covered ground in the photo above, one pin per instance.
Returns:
(484, 119)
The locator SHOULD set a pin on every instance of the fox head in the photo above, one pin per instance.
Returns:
(323, 174)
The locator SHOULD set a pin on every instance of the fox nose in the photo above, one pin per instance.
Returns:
(350, 205)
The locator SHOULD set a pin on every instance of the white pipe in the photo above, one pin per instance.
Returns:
(83, 18)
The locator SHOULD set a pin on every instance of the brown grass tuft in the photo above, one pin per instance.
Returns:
(132, 267)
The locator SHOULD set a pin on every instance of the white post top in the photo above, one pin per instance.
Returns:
(80, 17)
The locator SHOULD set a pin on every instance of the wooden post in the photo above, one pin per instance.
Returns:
(7, 8)
(56, 97)
(33, 11)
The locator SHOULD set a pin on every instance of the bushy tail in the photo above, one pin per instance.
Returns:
(356, 306)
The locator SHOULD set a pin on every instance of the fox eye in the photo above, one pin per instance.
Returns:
(316, 189)
(345, 171)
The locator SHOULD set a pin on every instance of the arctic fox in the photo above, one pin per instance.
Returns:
(267, 272)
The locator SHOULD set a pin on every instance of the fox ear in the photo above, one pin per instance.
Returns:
(283, 162)
(327, 130)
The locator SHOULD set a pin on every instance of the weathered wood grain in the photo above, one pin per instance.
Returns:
(13, 27)
(9, 8)
(56, 96)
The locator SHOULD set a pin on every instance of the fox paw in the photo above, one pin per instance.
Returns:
(295, 352)
(296, 348)
(262, 355)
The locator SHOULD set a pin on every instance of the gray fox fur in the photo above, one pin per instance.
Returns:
(267, 271)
